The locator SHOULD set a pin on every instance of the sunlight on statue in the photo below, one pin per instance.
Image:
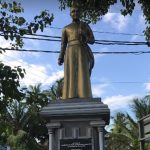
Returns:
(77, 57)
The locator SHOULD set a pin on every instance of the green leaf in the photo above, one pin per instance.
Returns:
(4, 5)
(41, 27)
(4, 13)
(6, 36)
(22, 31)
(11, 36)
(21, 21)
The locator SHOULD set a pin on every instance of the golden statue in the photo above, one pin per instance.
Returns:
(77, 57)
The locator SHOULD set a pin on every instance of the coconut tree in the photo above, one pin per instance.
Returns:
(36, 96)
(21, 120)
(14, 123)
(55, 91)
(124, 134)
(141, 107)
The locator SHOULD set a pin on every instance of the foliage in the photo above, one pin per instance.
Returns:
(35, 100)
(9, 83)
(55, 91)
(20, 122)
(124, 134)
(13, 26)
(141, 107)
(20, 119)
(22, 141)
(34, 94)
(93, 10)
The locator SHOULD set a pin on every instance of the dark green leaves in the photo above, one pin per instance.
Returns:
(12, 23)
(9, 81)
(92, 11)
(125, 132)
(128, 6)
(21, 21)
(147, 34)
(4, 5)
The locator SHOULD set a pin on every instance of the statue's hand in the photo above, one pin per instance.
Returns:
(60, 61)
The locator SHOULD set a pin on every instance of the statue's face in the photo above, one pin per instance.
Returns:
(75, 14)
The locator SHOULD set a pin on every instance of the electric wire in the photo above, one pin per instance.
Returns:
(102, 42)
(95, 52)
(106, 32)
(21, 62)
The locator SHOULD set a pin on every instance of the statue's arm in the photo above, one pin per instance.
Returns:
(90, 37)
(63, 47)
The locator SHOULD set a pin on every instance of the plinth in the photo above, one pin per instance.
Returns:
(76, 124)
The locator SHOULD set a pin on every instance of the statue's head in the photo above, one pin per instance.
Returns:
(74, 10)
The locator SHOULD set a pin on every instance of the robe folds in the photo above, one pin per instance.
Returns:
(78, 60)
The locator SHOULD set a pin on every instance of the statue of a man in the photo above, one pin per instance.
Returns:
(77, 57)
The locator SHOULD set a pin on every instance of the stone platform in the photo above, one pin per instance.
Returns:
(76, 124)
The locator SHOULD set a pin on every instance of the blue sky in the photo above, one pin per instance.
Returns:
(109, 71)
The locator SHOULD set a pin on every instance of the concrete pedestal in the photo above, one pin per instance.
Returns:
(76, 124)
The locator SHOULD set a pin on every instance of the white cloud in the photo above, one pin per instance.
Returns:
(31, 44)
(10, 55)
(34, 73)
(147, 86)
(99, 89)
(109, 17)
(55, 76)
(117, 20)
(39, 74)
(140, 25)
(141, 19)
(4, 43)
(97, 56)
(118, 102)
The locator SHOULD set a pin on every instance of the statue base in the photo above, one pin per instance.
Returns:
(76, 124)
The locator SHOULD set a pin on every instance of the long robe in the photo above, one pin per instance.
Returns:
(78, 60)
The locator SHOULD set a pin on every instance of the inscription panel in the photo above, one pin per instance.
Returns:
(76, 144)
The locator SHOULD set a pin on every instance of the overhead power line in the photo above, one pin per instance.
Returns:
(22, 64)
(111, 42)
(104, 42)
(103, 32)
(107, 32)
(95, 52)
(100, 42)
